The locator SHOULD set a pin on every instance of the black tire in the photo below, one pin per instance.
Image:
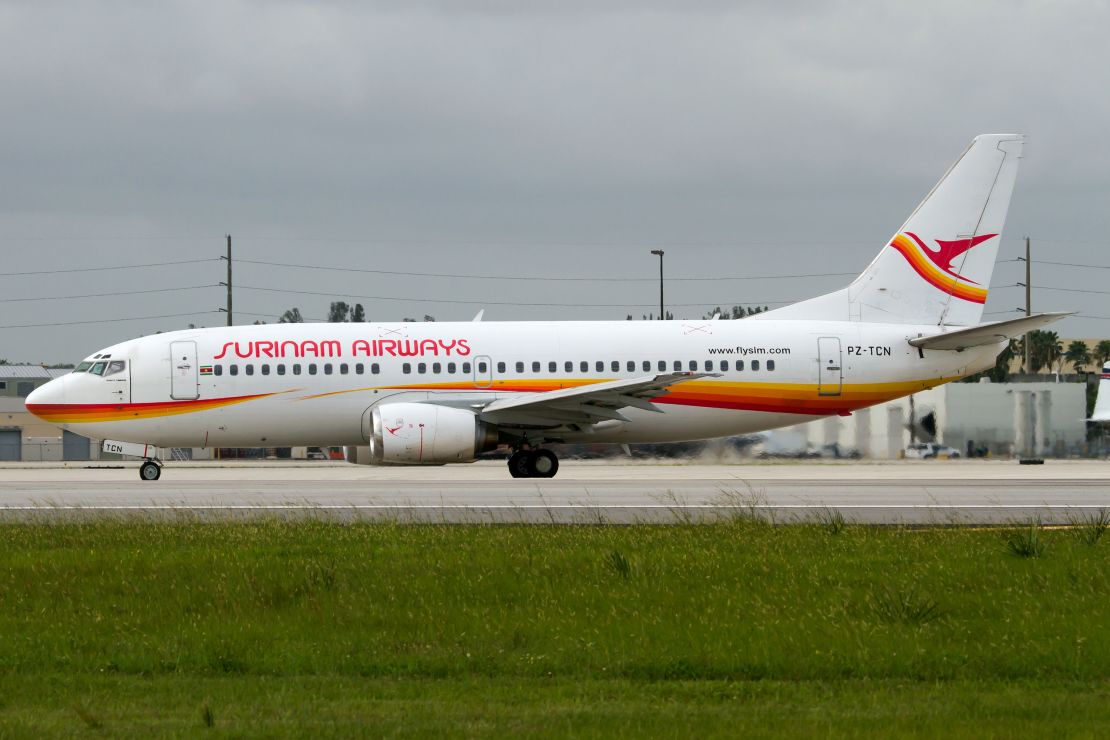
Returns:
(519, 464)
(150, 471)
(543, 464)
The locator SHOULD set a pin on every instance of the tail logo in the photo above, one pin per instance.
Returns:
(935, 266)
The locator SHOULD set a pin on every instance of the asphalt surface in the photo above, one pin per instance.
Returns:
(925, 492)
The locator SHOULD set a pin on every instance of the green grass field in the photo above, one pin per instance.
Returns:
(319, 628)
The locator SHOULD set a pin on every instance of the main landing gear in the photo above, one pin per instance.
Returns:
(150, 470)
(533, 464)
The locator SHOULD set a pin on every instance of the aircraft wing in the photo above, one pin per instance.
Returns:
(585, 404)
(977, 336)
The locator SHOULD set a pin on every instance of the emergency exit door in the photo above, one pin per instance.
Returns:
(830, 378)
(183, 371)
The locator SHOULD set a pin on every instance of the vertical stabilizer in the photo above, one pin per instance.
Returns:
(1102, 398)
(936, 269)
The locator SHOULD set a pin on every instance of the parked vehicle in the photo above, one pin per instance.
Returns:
(930, 450)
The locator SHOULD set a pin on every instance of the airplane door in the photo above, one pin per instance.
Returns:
(830, 378)
(184, 385)
(483, 371)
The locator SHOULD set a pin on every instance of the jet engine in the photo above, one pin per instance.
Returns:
(422, 434)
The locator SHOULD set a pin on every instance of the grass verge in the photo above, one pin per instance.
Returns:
(322, 628)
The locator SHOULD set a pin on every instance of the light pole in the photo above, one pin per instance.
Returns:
(660, 253)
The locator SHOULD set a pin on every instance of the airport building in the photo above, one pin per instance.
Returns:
(24, 437)
(1042, 418)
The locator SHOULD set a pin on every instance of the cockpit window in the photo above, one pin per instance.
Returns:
(98, 368)
(115, 366)
(82, 367)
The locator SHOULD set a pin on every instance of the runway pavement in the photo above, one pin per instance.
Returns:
(921, 492)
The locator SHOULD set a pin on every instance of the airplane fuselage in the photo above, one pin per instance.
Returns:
(315, 384)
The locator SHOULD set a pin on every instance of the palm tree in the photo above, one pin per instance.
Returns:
(1102, 351)
(1044, 349)
(1078, 354)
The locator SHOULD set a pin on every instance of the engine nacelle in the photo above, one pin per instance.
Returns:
(422, 434)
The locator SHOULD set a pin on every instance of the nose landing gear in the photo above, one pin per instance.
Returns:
(150, 470)
(533, 464)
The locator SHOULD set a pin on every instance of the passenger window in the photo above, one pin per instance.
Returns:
(406, 368)
(266, 368)
(520, 367)
(709, 364)
(312, 368)
(535, 367)
(693, 365)
(662, 366)
(568, 367)
(451, 368)
(98, 368)
(421, 368)
(360, 369)
(770, 364)
(647, 366)
(724, 365)
(343, 368)
(436, 368)
(466, 368)
(233, 369)
(115, 366)
(218, 370)
(599, 366)
(739, 365)
(677, 365)
(551, 367)
(327, 368)
(249, 368)
(375, 368)
(755, 364)
(615, 365)
(296, 368)
(281, 368)
(584, 366)
(500, 367)
(631, 366)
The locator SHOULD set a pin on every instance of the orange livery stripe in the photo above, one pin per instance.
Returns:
(87, 413)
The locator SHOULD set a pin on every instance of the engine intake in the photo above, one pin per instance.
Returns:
(422, 434)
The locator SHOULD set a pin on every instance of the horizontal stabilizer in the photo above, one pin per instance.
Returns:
(993, 333)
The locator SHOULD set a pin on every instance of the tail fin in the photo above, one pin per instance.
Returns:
(1102, 398)
(937, 267)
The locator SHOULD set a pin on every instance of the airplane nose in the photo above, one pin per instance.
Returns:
(46, 395)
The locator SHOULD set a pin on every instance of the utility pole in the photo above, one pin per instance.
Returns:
(659, 252)
(1029, 292)
(228, 283)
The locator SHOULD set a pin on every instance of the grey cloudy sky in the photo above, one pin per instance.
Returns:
(560, 139)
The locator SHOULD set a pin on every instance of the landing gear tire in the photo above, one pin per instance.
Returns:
(543, 464)
(519, 464)
(150, 470)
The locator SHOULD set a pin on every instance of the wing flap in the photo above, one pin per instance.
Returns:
(586, 403)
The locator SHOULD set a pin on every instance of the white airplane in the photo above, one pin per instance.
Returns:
(435, 393)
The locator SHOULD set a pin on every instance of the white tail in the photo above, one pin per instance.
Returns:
(1102, 398)
(936, 269)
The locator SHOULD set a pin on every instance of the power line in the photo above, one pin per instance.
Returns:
(1071, 264)
(103, 295)
(108, 321)
(113, 267)
(330, 294)
(537, 277)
